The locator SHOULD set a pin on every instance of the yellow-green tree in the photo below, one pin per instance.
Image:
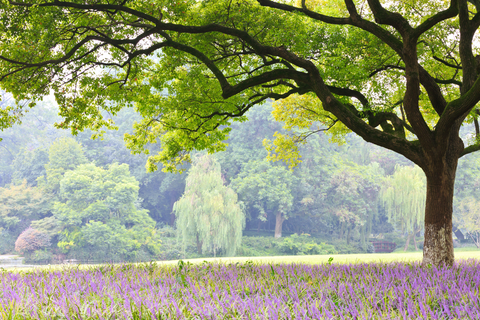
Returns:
(209, 212)
(403, 196)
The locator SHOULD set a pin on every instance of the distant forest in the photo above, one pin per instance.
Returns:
(338, 193)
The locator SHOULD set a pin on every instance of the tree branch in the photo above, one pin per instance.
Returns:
(309, 13)
(451, 12)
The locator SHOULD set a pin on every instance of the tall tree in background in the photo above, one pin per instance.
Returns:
(208, 212)
(404, 198)
(402, 75)
(266, 189)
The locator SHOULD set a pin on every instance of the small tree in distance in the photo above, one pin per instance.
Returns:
(208, 212)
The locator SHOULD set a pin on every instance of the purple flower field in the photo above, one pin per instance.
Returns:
(244, 291)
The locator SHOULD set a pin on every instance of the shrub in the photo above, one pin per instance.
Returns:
(258, 247)
(31, 240)
(342, 247)
(302, 245)
(40, 257)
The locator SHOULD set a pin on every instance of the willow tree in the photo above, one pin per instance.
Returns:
(403, 196)
(401, 74)
(208, 212)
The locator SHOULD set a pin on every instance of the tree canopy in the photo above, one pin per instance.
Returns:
(402, 75)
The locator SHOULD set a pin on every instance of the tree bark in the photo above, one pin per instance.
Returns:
(438, 246)
(278, 225)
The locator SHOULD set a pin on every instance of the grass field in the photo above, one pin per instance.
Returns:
(460, 254)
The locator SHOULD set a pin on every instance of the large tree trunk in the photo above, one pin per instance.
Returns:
(438, 245)
(278, 225)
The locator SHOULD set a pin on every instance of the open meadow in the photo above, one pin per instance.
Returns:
(374, 286)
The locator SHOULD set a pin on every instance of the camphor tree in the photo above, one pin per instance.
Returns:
(403, 196)
(208, 212)
(402, 75)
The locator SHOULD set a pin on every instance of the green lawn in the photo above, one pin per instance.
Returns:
(461, 253)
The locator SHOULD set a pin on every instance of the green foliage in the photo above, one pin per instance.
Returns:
(208, 211)
(468, 218)
(29, 165)
(49, 225)
(19, 156)
(39, 257)
(303, 245)
(64, 154)
(266, 189)
(403, 196)
(20, 204)
(258, 246)
(98, 216)
(342, 247)
(7, 241)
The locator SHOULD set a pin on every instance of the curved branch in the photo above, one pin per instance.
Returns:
(451, 12)
(349, 93)
(450, 81)
(99, 7)
(383, 16)
(304, 10)
(448, 64)
(470, 149)
(458, 109)
(384, 68)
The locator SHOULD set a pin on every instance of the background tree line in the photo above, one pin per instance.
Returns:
(72, 197)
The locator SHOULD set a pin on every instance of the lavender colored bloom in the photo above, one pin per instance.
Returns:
(250, 291)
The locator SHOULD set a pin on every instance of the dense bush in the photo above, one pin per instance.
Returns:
(39, 257)
(303, 244)
(171, 248)
(258, 247)
(31, 240)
